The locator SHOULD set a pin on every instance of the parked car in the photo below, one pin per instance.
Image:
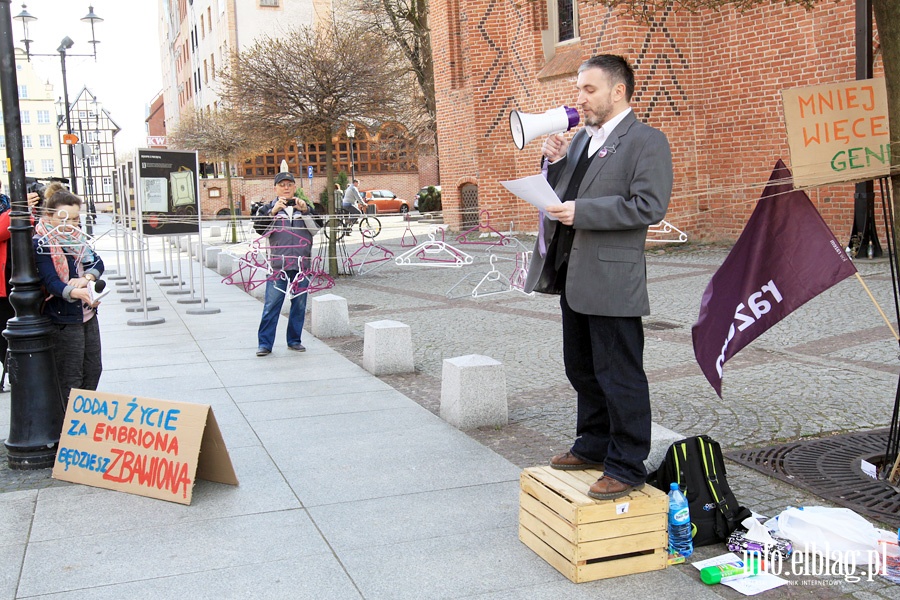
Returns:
(386, 201)
(421, 193)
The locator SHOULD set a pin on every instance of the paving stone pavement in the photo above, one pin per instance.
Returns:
(830, 367)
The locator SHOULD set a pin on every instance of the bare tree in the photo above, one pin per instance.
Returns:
(887, 18)
(307, 83)
(404, 24)
(217, 136)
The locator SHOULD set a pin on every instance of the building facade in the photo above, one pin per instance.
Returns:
(38, 116)
(196, 40)
(91, 167)
(712, 82)
(156, 123)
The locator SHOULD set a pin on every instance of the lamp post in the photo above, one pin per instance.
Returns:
(36, 407)
(351, 134)
(69, 139)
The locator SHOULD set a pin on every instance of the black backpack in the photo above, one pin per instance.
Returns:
(697, 465)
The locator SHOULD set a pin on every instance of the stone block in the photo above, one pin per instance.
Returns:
(660, 440)
(330, 316)
(387, 348)
(473, 392)
(226, 264)
(215, 231)
(210, 255)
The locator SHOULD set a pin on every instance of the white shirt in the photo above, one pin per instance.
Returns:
(599, 134)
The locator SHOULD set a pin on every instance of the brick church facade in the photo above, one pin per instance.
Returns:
(712, 82)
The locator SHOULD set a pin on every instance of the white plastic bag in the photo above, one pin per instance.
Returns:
(838, 534)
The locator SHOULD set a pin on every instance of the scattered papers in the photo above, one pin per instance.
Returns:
(749, 586)
(869, 469)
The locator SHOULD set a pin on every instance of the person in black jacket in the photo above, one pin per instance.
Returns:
(67, 265)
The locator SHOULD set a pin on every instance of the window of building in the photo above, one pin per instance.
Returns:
(209, 18)
(43, 116)
(107, 185)
(48, 165)
(3, 142)
(91, 136)
(82, 114)
(29, 166)
(389, 151)
(268, 3)
(26, 141)
(202, 27)
(45, 141)
(23, 91)
(26, 117)
(560, 39)
(212, 65)
(565, 25)
(205, 72)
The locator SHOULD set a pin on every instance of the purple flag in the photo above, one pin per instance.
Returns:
(785, 256)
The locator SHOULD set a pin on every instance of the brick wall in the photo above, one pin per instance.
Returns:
(711, 82)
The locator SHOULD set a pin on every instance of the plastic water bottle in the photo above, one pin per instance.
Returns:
(679, 523)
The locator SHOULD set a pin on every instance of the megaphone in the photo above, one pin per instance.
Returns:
(525, 126)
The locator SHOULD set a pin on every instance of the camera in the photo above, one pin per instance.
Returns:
(290, 202)
(37, 186)
(34, 186)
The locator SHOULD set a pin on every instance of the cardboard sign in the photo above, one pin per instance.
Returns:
(838, 132)
(141, 446)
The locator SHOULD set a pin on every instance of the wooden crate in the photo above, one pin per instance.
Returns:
(587, 539)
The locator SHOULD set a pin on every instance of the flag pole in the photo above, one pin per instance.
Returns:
(875, 302)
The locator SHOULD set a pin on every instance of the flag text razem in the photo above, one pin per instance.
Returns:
(759, 306)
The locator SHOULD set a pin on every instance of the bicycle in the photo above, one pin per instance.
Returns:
(369, 225)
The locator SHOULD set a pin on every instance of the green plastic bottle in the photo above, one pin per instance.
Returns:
(729, 571)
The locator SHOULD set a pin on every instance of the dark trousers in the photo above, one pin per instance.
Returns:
(77, 352)
(604, 362)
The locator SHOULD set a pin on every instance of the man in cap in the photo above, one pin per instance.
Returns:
(289, 225)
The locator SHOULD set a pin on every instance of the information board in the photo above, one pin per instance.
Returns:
(167, 192)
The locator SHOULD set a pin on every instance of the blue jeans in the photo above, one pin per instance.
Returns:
(275, 294)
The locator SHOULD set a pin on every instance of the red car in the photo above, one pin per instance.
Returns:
(386, 201)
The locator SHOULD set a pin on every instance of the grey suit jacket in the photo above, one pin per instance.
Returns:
(621, 195)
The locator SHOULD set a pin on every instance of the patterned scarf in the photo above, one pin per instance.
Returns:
(60, 243)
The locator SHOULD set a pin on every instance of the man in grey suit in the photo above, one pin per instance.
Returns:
(614, 180)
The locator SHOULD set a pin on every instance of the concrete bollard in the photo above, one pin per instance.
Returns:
(330, 316)
(210, 255)
(473, 392)
(660, 440)
(387, 348)
(226, 264)
(215, 231)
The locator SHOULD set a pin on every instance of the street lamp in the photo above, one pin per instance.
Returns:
(69, 139)
(36, 407)
(351, 134)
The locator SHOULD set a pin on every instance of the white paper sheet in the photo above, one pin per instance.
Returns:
(749, 586)
(535, 190)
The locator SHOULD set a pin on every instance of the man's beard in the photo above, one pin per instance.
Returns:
(597, 118)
